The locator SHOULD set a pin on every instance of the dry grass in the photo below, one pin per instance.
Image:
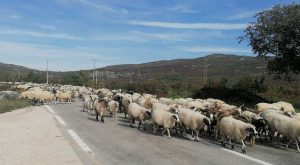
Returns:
(8, 105)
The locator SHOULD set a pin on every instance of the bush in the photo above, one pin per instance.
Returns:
(8, 105)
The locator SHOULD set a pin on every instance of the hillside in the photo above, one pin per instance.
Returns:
(218, 66)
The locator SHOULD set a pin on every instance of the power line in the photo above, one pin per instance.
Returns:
(47, 72)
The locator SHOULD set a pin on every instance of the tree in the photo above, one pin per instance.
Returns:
(275, 36)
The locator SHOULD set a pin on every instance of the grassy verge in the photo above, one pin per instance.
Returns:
(8, 105)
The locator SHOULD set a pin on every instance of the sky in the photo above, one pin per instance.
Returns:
(70, 33)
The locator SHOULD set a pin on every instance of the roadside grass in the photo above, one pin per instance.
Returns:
(8, 105)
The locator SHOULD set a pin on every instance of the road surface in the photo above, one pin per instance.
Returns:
(114, 142)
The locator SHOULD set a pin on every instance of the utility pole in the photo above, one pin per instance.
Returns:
(94, 72)
(204, 72)
(47, 72)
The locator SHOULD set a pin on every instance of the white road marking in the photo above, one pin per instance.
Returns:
(247, 157)
(60, 120)
(50, 109)
(78, 140)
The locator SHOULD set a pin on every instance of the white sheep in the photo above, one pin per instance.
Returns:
(99, 107)
(126, 100)
(113, 107)
(137, 112)
(235, 129)
(181, 101)
(165, 119)
(284, 125)
(286, 106)
(64, 96)
(193, 120)
(166, 100)
(283, 106)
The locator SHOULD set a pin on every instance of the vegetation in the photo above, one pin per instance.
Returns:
(8, 105)
(80, 78)
(277, 32)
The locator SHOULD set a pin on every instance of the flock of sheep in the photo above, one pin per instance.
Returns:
(182, 116)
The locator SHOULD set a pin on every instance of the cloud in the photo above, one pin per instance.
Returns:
(214, 49)
(172, 25)
(183, 9)
(243, 15)
(138, 36)
(63, 59)
(40, 34)
(14, 16)
(48, 27)
(102, 7)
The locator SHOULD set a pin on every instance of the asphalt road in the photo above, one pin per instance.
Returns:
(114, 142)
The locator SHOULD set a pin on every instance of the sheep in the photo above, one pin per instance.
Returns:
(100, 108)
(297, 116)
(173, 108)
(181, 101)
(113, 107)
(125, 102)
(166, 100)
(135, 97)
(286, 106)
(148, 96)
(284, 125)
(118, 97)
(258, 122)
(235, 129)
(61, 96)
(193, 120)
(211, 100)
(136, 112)
(165, 119)
(283, 106)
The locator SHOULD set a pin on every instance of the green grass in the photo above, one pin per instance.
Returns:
(8, 105)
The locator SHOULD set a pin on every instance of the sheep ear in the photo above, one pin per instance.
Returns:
(175, 117)
(241, 105)
(206, 121)
(148, 113)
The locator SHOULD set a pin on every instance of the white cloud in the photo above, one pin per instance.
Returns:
(214, 49)
(183, 8)
(62, 59)
(40, 34)
(102, 7)
(14, 16)
(210, 26)
(48, 27)
(243, 15)
(138, 36)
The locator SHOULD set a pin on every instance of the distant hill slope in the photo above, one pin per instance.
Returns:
(178, 70)
(218, 66)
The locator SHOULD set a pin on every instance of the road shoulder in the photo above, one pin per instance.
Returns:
(31, 136)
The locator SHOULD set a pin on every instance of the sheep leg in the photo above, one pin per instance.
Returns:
(297, 144)
(243, 146)
(139, 126)
(197, 136)
(168, 133)
(131, 122)
(162, 133)
(232, 146)
(96, 116)
(102, 118)
(144, 123)
(154, 129)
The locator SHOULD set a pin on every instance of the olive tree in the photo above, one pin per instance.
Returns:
(275, 36)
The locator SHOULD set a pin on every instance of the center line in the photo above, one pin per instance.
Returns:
(247, 157)
(60, 120)
(50, 109)
(78, 140)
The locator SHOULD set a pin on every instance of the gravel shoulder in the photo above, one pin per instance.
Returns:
(31, 136)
